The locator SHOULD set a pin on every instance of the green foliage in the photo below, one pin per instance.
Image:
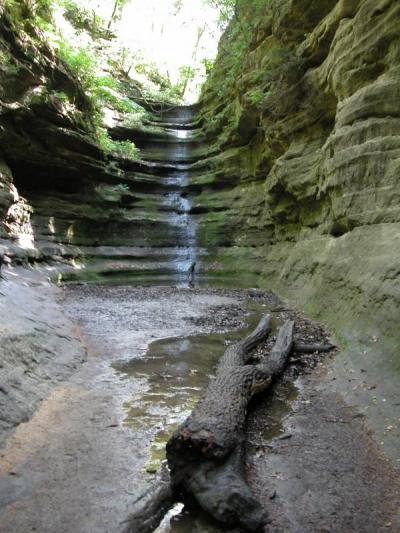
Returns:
(102, 90)
(43, 9)
(8, 64)
(31, 16)
(60, 96)
(186, 74)
(84, 62)
(226, 10)
(163, 90)
(208, 65)
(105, 90)
(256, 97)
(134, 120)
(124, 60)
(178, 4)
(153, 74)
(81, 62)
(112, 193)
(117, 11)
(84, 20)
(121, 188)
(125, 149)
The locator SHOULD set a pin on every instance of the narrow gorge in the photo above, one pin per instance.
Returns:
(134, 251)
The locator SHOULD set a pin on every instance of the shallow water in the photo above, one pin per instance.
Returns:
(168, 278)
(173, 373)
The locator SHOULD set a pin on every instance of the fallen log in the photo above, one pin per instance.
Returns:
(300, 347)
(239, 354)
(222, 491)
(204, 453)
(214, 426)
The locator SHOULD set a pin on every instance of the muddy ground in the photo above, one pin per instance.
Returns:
(92, 447)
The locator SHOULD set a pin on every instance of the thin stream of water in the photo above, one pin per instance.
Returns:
(182, 223)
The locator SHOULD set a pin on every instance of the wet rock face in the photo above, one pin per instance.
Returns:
(46, 132)
(8, 194)
(314, 190)
(58, 185)
(38, 347)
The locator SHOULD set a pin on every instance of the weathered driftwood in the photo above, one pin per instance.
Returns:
(220, 489)
(204, 453)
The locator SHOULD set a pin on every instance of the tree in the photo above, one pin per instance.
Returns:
(117, 11)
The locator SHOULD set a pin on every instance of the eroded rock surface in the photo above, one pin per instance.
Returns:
(313, 186)
(304, 188)
(39, 346)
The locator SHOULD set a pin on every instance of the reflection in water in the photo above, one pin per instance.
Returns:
(154, 278)
(173, 373)
(180, 521)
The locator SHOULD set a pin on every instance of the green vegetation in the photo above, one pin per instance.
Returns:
(112, 193)
(60, 96)
(226, 10)
(86, 20)
(124, 149)
(92, 62)
(86, 63)
(230, 9)
(272, 87)
(112, 77)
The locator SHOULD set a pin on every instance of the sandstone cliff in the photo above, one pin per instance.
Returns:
(304, 190)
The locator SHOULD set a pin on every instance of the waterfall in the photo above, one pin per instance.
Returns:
(179, 205)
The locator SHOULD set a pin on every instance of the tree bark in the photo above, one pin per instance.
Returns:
(215, 423)
(205, 453)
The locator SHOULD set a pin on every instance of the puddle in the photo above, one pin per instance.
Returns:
(276, 406)
(173, 374)
(178, 520)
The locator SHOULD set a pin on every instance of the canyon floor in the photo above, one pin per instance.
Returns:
(94, 443)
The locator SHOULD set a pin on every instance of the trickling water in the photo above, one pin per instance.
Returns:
(177, 203)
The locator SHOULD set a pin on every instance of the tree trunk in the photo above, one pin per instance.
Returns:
(300, 347)
(204, 453)
(215, 423)
(114, 12)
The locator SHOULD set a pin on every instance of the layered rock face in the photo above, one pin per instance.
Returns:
(293, 175)
(46, 133)
(61, 195)
(304, 189)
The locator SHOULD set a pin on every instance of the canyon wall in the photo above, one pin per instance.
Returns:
(289, 176)
(304, 187)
